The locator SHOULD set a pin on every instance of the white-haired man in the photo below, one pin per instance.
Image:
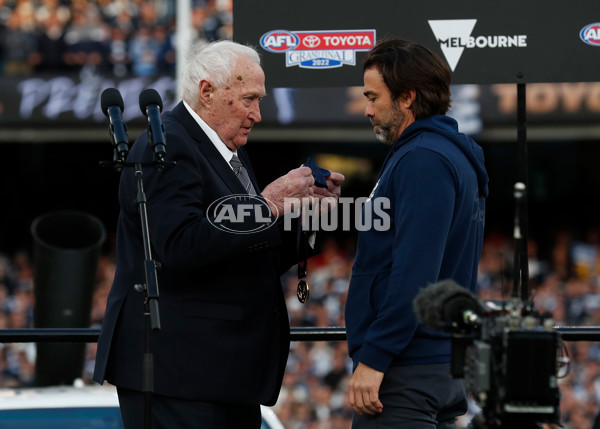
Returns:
(223, 345)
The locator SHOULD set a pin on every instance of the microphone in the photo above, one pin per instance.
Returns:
(151, 105)
(448, 307)
(112, 106)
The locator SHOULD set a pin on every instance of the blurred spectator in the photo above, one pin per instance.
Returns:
(144, 51)
(51, 46)
(5, 13)
(118, 53)
(86, 39)
(19, 41)
(215, 22)
(125, 20)
(166, 56)
(147, 15)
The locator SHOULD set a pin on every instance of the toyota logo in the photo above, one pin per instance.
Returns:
(311, 41)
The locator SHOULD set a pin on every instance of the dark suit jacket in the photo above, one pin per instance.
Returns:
(225, 330)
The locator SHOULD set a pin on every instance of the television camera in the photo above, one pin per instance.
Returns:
(508, 355)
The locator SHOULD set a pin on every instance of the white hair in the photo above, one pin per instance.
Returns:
(213, 62)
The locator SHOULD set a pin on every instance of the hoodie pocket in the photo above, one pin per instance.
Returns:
(367, 289)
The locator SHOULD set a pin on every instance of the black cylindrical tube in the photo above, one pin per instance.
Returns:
(66, 249)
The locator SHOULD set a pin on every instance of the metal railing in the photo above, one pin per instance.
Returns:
(333, 333)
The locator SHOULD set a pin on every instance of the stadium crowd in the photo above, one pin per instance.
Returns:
(119, 38)
(313, 396)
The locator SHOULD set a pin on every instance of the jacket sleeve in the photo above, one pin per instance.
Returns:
(182, 235)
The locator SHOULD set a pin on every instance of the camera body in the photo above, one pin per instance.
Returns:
(509, 362)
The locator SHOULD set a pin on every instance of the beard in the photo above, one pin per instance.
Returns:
(388, 127)
(384, 135)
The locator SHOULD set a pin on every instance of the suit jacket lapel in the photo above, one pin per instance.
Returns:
(209, 150)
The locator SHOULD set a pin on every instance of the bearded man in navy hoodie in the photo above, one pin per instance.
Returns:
(434, 184)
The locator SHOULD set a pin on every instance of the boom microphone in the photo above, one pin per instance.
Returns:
(449, 307)
(112, 106)
(151, 105)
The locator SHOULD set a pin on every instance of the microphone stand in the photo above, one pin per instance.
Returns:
(520, 293)
(522, 176)
(150, 288)
(151, 312)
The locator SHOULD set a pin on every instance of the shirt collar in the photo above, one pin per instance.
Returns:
(225, 152)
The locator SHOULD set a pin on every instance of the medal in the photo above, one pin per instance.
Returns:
(303, 291)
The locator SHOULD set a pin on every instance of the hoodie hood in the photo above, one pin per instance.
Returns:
(448, 127)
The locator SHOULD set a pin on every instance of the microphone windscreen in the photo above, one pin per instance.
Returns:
(111, 97)
(148, 97)
(430, 303)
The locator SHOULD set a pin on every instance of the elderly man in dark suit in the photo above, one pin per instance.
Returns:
(224, 338)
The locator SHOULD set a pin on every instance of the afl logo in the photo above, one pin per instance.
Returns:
(241, 214)
(590, 34)
(279, 41)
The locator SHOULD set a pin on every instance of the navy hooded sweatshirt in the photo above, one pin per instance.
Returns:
(423, 223)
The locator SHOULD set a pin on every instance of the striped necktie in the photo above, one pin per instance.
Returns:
(242, 174)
